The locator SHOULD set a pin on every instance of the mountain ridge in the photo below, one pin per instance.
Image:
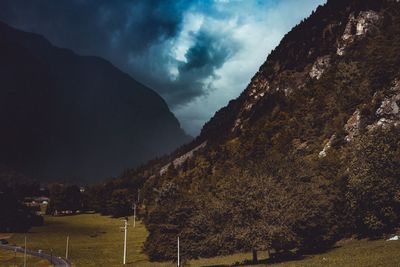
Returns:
(85, 92)
(309, 152)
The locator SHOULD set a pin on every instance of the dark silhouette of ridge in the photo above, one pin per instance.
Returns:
(71, 117)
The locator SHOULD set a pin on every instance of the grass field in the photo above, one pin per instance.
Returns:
(9, 259)
(94, 240)
(97, 241)
(350, 253)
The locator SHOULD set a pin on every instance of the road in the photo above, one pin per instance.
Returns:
(55, 260)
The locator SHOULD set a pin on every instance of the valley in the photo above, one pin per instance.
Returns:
(300, 168)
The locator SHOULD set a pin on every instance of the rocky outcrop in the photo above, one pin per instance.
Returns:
(353, 126)
(357, 27)
(390, 106)
(319, 67)
(255, 91)
(327, 147)
(388, 114)
(180, 160)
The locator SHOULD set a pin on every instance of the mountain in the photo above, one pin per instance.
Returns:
(69, 117)
(307, 154)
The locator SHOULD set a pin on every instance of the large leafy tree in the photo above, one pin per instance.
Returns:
(247, 212)
(120, 203)
(271, 214)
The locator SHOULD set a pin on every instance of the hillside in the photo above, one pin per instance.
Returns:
(309, 153)
(69, 117)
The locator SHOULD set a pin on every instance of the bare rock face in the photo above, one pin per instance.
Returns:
(319, 67)
(390, 106)
(387, 115)
(389, 112)
(180, 160)
(353, 126)
(285, 81)
(365, 22)
(327, 146)
(256, 90)
(258, 87)
(357, 28)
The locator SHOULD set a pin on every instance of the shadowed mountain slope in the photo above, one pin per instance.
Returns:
(71, 117)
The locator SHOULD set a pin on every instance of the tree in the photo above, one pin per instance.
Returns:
(374, 182)
(270, 214)
(14, 216)
(57, 198)
(73, 198)
(63, 198)
(165, 219)
(247, 212)
(97, 197)
(120, 203)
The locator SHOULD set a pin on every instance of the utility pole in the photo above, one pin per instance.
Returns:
(66, 248)
(15, 257)
(138, 195)
(25, 253)
(178, 254)
(125, 237)
(134, 215)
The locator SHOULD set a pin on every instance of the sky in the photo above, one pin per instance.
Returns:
(197, 54)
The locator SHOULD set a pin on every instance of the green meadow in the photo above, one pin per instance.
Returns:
(98, 241)
(10, 259)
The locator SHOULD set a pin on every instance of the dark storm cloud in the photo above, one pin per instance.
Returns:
(194, 75)
(208, 52)
(197, 54)
(123, 30)
(90, 24)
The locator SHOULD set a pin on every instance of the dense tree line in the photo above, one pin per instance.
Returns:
(14, 215)
(65, 198)
(116, 197)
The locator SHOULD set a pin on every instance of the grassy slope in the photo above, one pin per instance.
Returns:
(356, 253)
(94, 240)
(7, 260)
(97, 241)
(351, 253)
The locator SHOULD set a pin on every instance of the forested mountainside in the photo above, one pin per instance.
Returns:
(70, 117)
(307, 154)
